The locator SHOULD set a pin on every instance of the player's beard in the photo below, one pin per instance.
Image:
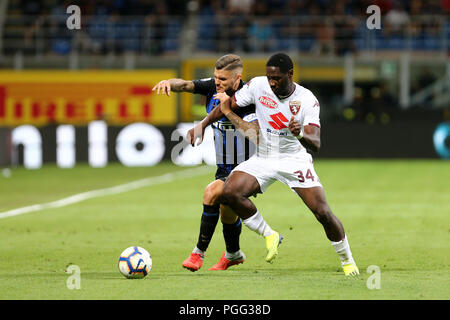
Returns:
(230, 92)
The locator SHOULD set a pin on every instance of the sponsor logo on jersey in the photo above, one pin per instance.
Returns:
(269, 103)
(294, 106)
(278, 133)
(224, 125)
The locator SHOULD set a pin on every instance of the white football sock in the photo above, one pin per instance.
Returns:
(238, 255)
(257, 224)
(343, 250)
(200, 252)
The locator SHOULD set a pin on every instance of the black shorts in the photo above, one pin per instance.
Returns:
(222, 174)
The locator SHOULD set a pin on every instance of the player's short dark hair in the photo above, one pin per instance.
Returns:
(282, 61)
(229, 62)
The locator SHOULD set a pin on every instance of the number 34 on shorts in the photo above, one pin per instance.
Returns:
(305, 177)
(301, 177)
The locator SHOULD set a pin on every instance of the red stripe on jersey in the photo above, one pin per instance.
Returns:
(314, 124)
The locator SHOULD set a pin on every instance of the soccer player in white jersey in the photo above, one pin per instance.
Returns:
(289, 124)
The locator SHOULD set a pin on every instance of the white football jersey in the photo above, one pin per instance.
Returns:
(273, 115)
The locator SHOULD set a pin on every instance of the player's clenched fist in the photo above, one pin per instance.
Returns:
(163, 87)
(295, 126)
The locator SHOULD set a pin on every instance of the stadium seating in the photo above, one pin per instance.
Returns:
(157, 27)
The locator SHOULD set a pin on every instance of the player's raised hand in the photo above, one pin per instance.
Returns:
(163, 87)
(294, 126)
(196, 133)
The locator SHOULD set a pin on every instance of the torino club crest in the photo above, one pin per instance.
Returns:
(294, 106)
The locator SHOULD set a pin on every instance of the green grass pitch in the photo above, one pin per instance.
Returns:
(396, 215)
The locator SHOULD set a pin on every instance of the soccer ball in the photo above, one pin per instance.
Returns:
(135, 263)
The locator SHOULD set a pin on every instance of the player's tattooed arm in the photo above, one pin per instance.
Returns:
(250, 130)
(175, 85)
(196, 133)
(216, 114)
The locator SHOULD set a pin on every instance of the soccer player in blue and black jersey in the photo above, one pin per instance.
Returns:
(231, 149)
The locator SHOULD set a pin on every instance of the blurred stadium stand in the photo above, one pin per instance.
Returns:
(158, 27)
(408, 55)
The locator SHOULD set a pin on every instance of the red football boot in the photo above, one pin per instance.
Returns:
(194, 262)
(224, 263)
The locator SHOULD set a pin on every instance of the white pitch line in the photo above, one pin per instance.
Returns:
(151, 181)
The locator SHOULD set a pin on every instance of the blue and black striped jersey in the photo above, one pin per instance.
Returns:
(231, 147)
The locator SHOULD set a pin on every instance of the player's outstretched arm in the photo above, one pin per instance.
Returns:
(175, 85)
(249, 130)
